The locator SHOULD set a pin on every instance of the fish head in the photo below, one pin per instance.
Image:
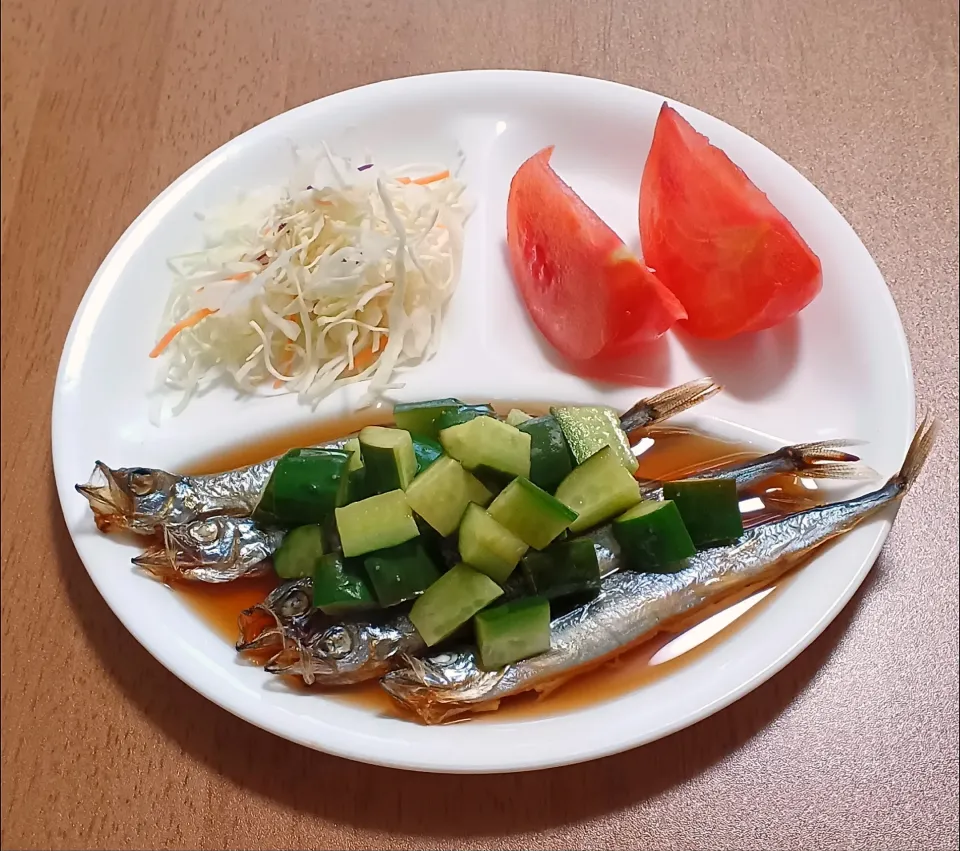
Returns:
(139, 499)
(214, 549)
(281, 620)
(441, 687)
(337, 653)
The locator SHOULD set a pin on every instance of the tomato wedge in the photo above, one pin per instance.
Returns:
(585, 291)
(715, 240)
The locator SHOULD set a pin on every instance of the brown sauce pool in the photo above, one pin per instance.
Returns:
(666, 452)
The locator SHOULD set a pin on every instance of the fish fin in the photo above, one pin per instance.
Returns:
(669, 403)
(917, 454)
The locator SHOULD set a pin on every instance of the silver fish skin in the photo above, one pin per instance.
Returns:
(144, 500)
(632, 606)
(360, 649)
(225, 548)
(214, 549)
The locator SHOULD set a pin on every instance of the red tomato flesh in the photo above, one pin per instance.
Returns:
(711, 236)
(586, 293)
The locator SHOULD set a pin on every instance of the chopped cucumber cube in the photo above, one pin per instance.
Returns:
(356, 473)
(388, 457)
(531, 513)
(339, 587)
(600, 488)
(442, 493)
(489, 446)
(400, 573)
(710, 509)
(451, 601)
(298, 552)
(305, 487)
(589, 429)
(374, 523)
(489, 546)
(513, 631)
(550, 458)
(652, 537)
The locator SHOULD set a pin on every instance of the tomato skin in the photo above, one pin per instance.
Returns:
(584, 290)
(716, 241)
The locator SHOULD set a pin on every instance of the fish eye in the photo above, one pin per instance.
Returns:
(295, 603)
(335, 642)
(206, 532)
(141, 481)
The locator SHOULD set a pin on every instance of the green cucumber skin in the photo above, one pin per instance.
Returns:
(427, 451)
(340, 587)
(305, 488)
(401, 573)
(656, 542)
(357, 488)
(298, 552)
(710, 509)
(423, 418)
(590, 428)
(513, 631)
(550, 458)
(463, 414)
(388, 468)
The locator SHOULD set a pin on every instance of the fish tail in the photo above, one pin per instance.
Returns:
(826, 459)
(669, 403)
(917, 454)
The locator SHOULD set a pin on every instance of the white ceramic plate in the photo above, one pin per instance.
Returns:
(842, 370)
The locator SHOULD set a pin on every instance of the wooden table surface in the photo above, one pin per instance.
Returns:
(105, 102)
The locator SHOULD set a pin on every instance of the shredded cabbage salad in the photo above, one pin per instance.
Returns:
(304, 289)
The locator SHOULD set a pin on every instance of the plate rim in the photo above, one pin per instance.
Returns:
(100, 287)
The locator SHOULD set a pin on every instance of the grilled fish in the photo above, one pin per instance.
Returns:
(362, 649)
(144, 500)
(633, 606)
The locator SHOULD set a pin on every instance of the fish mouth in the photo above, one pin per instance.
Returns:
(158, 561)
(260, 630)
(112, 507)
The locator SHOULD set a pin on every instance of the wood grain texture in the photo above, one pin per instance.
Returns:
(854, 745)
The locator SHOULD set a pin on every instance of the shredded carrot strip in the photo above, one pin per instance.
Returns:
(430, 178)
(365, 357)
(239, 276)
(284, 364)
(182, 325)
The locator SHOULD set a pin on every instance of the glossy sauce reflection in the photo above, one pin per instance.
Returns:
(663, 453)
